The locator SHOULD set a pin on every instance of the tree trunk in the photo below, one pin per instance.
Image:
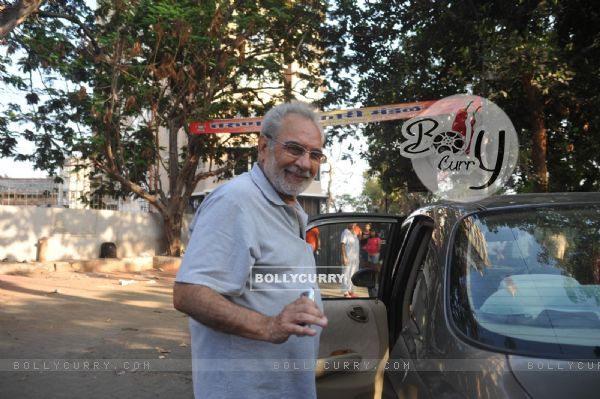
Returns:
(287, 83)
(539, 137)
(172, 230)
(173, 158)
(173, 220)
(13, 15)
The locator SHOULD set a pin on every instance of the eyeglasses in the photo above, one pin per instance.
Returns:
(297, 150)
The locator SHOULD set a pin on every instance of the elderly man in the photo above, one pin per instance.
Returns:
(244, 328)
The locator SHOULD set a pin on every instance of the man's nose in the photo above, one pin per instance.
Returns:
(305, 162)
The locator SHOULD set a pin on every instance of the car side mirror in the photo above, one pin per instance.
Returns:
(364, 278)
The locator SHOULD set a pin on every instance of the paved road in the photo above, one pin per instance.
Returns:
(91, 335)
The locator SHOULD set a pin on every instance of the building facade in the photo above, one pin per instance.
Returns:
(73, 190)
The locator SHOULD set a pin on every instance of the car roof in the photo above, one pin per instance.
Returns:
(524, 200)
(491, 203)
(511, 201)
(355, 216)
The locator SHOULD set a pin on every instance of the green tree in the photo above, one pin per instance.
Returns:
(538, 60)
(398, 201)
(348, 203)
(135, 73)
(374, 199)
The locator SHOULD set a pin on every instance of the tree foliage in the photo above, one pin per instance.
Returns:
(374, 199)
(538, 60)
(118, 85)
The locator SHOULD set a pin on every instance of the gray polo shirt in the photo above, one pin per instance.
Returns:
(242, 229)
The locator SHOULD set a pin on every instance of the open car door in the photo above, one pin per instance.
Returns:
(354, 346)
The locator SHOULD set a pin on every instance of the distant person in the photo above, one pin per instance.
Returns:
(364, 237)
(313, 238)
(350, 257)
(357, 230)
(373, 248)
(239, 325)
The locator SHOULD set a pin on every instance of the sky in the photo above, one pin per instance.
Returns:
(348, 174)
(9, 167)
(12, 168)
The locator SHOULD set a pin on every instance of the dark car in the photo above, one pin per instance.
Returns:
(493, 299)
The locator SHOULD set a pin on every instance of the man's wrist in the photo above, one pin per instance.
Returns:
(266, 332)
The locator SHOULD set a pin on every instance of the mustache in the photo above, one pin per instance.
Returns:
(299, 171)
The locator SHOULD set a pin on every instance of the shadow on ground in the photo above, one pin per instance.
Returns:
(49, 319)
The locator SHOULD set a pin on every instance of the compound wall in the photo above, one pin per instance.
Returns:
(78, 233)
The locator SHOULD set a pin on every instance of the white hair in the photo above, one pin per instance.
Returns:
(271, 123)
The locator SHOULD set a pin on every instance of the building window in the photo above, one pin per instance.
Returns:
(311, 205)
(243, 159)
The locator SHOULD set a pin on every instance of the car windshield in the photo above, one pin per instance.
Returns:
(529, 280)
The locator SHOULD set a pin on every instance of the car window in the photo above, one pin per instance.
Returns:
(530, 280)
(416, 309)
(344, 248)
(415, 240)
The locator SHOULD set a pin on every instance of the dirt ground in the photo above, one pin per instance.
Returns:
(92, 335)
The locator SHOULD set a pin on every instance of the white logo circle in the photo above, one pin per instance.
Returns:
(462, 148)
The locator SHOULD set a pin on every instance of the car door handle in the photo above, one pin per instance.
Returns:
(357, 313)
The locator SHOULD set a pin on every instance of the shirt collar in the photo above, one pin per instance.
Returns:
(265, 186)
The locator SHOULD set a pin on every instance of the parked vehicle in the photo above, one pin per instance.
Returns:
(494, 299)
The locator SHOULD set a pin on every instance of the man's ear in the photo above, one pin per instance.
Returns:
(263, 142)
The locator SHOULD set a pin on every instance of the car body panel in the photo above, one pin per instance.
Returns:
(444, 363)
(351, 348)
(557, 378)
(357, 332)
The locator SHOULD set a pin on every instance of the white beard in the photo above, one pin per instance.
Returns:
(277, 178)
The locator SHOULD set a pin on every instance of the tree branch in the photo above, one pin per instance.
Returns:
(131, 186)
(206, 175)
(76, 21)
(11, 16)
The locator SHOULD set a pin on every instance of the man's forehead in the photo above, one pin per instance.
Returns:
(298, 128)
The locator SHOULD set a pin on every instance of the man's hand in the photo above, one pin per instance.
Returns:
(212, 309)
(293, 320)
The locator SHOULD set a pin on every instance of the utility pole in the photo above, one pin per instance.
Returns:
(287, 83)
(329, 201)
